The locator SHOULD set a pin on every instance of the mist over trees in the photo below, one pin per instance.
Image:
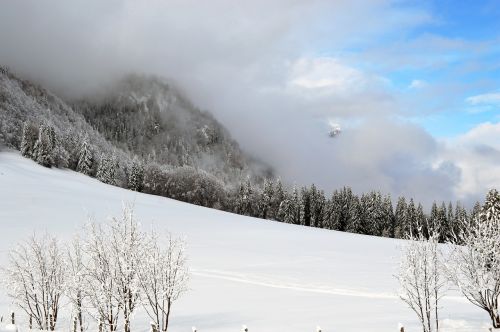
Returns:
(145, 136)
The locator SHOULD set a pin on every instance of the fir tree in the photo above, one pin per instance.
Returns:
(106, 170)
(400, 218)
(278, 197)
(85, 159)
(305, 211)
(266, 200)
(44, 146)
(136, 176)
(29, 138)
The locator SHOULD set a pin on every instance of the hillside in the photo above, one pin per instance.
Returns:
(151, 118)
(270, 276)
(137, 117)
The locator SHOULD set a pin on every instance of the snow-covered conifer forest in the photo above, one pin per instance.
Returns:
(105, 274)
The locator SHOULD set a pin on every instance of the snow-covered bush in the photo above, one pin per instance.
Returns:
(35, 278)
(474, 265)
(422, 279)
(163, 279)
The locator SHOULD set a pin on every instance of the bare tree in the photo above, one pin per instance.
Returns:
(126, 243)
(421, 279)
(99, 282)
(474, 264)
(35, 279)
(113, 255)
(163, 279)
(75, 280)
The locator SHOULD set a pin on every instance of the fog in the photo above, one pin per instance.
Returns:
(275, 73)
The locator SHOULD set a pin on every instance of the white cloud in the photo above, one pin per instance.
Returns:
(254, 64)
(492, 98)
(328, 75)
(477, 154)
(417, 84)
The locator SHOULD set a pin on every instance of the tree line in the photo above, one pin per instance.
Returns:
(369, 213)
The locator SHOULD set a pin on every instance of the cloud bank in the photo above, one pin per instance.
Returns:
(276, 73)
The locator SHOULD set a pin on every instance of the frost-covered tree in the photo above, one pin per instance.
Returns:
(29, 138)
(35, 278)
(164, 277)
(421, 278)
(85, 159)
(278, 197)
(136, 176)
(266, 199)
(401, 218)
(474, 265)
(106, 171)
(113, 254)
(75, 280)
(44, 146)
(305, 207)
(126, 242)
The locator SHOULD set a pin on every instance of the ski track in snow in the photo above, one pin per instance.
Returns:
(301, 287)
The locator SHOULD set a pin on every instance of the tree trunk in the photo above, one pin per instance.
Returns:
(167, 316)
(495, 319)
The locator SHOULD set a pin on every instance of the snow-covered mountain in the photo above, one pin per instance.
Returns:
(153, 119)
(267, 275)
(136, 116)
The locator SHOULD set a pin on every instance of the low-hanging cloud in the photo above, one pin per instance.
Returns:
(255, 65)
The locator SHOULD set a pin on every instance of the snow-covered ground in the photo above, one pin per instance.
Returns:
(267, 275)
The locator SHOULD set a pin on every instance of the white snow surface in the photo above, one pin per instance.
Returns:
(266, 275)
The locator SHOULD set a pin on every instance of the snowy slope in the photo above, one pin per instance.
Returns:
(269, 276)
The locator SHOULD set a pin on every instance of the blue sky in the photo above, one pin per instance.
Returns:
(414, 85)
(449, 53)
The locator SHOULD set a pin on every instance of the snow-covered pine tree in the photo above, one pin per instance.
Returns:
(136, 176)
(388, 217)
(106, 170)
(278, 197)
(305, 207)
(400, 216)
(44, 146)
(357, 215)
(295, 207)
(266, 199)
(29, 138)
(318, 208)
(411, 225)
(86, 159)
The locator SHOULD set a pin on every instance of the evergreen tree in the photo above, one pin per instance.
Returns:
(29, 138)
(44, 146)
(85, 159)
(340, 209)
(266, 200)
(305, 212)
(421, 218)
(411, 226)
(136, 176)
(295, 206)
(278, 197)
(318, 209)
(388, 217)
(400, 218)
(106, 170)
